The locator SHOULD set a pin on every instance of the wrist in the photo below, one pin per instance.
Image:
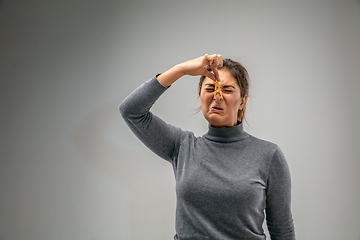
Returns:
(179, 70)
(170, 76)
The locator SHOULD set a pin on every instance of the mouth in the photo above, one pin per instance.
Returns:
(217, 109)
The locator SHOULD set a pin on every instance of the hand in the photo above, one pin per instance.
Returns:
(194, 67)
(197, 66)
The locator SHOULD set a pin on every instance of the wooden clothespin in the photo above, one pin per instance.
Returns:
(217, 89)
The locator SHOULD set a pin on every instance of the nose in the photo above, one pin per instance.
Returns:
(217, 92)
(217, 89)
(217, 95)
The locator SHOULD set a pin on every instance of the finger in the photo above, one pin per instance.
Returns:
(216, 73)
(220, 60)
(216, 60)
(209, 75)
(207, 59)
(212, 60)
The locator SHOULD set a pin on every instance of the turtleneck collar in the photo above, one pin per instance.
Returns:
(227, 134)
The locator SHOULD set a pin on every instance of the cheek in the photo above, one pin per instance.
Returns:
(234, 102)
(205, 99)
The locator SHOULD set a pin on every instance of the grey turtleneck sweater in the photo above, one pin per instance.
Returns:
(225, 180)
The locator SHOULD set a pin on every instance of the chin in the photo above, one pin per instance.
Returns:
(216, 120)
(220, 123)
(215, 123)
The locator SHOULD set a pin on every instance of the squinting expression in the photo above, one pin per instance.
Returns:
(221, 112)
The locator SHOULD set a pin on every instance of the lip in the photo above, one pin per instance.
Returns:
(217, 109)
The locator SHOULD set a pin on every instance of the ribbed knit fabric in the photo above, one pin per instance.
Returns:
(225, 180)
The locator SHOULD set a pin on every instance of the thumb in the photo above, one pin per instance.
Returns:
(209, 75)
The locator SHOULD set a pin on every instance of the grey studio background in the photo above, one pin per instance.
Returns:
(71, 169)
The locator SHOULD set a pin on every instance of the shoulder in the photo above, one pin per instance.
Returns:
(267, 149)
(261, 144)
(275, 161)
(186, 137)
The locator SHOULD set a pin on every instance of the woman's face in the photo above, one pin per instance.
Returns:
(221, 112)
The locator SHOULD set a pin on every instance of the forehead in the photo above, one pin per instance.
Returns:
(226, 78)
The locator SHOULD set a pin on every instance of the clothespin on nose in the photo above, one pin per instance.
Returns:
(217, 89)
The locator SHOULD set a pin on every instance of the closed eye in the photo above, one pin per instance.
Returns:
(209, 87)
(228, 88)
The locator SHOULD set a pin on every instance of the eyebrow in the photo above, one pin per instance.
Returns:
(225, 86)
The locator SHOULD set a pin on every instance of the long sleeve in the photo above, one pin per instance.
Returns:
(278, 199)
(160, 137)
(224, 179)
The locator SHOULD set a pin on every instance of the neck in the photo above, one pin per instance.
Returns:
(226, 134)
(237, 122)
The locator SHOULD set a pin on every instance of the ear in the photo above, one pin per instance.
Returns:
(199, 96)
(243, 102)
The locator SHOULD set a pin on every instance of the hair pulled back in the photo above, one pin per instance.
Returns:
(241, 75)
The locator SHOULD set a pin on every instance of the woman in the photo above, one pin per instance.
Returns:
(227, 179)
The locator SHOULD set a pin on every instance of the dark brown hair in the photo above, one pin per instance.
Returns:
(241, 75)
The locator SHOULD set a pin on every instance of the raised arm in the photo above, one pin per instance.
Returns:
(194, 67)
(160, 137)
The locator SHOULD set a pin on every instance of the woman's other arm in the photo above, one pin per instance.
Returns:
(278, 199)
